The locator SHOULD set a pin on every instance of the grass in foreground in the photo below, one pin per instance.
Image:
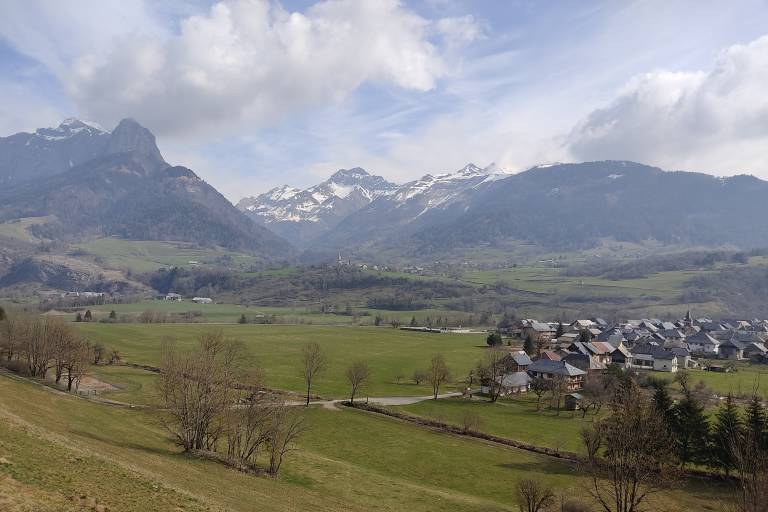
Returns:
(349, 460)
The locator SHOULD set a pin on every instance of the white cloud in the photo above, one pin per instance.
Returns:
(715, 121)
(250, 61)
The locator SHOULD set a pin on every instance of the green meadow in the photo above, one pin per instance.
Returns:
(275, 350)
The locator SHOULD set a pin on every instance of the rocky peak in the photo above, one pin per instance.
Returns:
(130, 137)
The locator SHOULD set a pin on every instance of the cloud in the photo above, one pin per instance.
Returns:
(251, 61)
(714, 121)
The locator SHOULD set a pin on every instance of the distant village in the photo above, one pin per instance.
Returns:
(574, 353)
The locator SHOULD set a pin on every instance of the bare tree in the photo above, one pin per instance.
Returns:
(596, 393)
(357, 375)
(491, 370)
(539, 386)
(36, 347)
(63, 346)
(98, 352)
(287, 426)
(312, 364)
(628, 454)
(77, 362)
(198, 388)
(437, 374)
(248, 429)
(419, 376)
(11, 333)
(558, 385)
(533, 496)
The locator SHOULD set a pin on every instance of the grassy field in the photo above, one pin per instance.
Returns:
(513, 418)
(146, 256)
(55, 447)
(275, 350)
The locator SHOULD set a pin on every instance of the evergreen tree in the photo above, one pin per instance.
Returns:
(493, 339)
(2, 314)
(88, 317)
(78, 318)
(664, 404)
(756, 423)
(691, 430)
(585, 336)
(242, 319)
(112, 315)
(727, 430)
(413, 321)
(529, 346)
(560, 330)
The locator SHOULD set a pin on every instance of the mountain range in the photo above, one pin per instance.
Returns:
(87, 182)
(118, 184)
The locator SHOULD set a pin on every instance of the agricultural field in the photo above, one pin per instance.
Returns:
(54, 447)
(147, 256)
(514, 418)
(275, 350)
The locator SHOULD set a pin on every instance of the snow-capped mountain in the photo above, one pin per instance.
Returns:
(302, 215)
(430, 199)
(48, 151)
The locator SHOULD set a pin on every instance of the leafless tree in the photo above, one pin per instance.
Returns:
(98, 352)
(597, 392)
(249, 428)
(77, 362)
(419, 376)
(114, 356)
(539, 387)
(63, 346)
(36, 347)
(533, 496)
(751, 461)
(558, 385)
(491, 370)
(11, 333)
(313, 363)
(357, 374)
(198, 388)
(470, 420)
(437, 374)
(628, 453)
(287, 426)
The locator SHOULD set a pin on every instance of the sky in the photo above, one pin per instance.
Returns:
(252, 94)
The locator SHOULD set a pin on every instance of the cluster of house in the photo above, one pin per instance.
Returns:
(587, 347)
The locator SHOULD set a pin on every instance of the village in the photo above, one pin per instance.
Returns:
(576, 353)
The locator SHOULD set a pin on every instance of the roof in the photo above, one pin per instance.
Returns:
(548, 355)
(652, 350)
(702, 338)
(540, 327)
(555, 367)
(514, 380)
(603, 347)
(521, 358)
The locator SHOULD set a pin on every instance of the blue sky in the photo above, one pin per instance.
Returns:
(252, 94)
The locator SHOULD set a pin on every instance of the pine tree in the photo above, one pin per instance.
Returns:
(529, 346)
(2, 314)
(664, 404)
(112, 315)
(727, 430)
(756, 423)
(691, 430)
(88, 316)
(560, 330)
(585, 336)
(78, 318)
(242, 319)
(413, 321)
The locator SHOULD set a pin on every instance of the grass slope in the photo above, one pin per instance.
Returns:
(61, 446)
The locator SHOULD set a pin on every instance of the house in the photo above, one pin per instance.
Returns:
(512, 383)
(548, 370)
(548, 355)
(683, 356)
(516, 362)
(573, 401)
(703, 343)
(652, 357)
(755, 350)
(202, 300)
(538, 331)
(621, 356)
(732, 349)
(586, 363)
(175, 297)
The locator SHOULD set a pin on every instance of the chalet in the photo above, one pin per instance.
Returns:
(538, 331)
(703, 343)
(512, 383)
(651, 357)
(754, 349)
(546, 369)
(516, 362)
(683, 356)
(586, 363)
(174, 297)
(732, 349)
(621, 356)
